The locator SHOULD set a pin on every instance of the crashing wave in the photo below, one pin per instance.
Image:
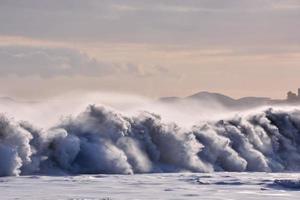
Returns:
(100, 140)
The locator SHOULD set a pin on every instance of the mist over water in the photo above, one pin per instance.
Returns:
(126, 134)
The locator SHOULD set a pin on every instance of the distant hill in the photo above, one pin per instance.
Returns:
(170, 99)
(9, 100)
(209, 98)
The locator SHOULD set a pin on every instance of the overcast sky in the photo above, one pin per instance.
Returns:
(151, 48)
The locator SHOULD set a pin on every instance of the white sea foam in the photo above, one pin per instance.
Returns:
(104, 139)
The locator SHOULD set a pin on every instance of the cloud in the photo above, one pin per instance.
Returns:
(286, 5)
(144, 71)
(30, 61)
(50, 62)
(194, 22)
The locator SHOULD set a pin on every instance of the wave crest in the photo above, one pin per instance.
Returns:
(100, 140)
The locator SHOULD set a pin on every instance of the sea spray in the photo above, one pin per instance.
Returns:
(103, 140)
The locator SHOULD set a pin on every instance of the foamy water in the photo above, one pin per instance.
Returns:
(215, 186)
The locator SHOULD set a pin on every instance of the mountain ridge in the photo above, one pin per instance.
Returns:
(205, 97)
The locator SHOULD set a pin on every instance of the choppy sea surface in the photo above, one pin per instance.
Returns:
(224, 185)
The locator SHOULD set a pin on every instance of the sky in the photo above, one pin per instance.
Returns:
(150, 48)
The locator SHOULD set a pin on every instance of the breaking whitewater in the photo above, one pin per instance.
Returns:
(102, 140)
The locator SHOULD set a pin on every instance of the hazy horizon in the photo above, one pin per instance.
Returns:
(76, 93)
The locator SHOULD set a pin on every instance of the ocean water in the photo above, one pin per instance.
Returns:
(225, 185)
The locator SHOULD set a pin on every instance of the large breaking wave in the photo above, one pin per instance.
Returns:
(102, 140)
